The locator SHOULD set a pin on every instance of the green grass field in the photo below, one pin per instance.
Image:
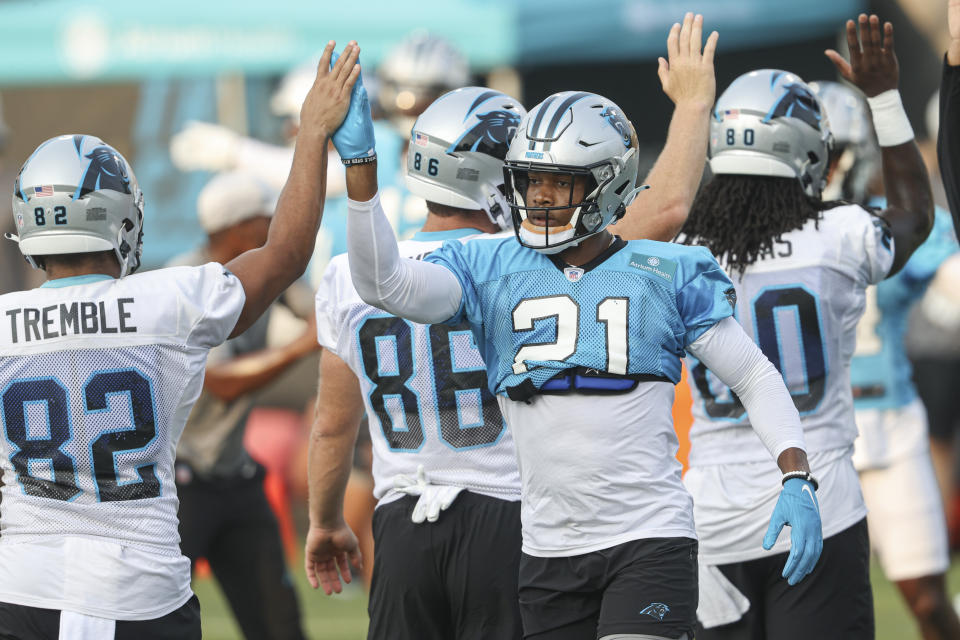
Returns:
(344, 617)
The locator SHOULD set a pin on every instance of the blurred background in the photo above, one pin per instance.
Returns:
(141, 74)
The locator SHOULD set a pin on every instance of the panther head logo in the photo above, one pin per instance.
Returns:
(491, 135)
(105, 171)
(656, 610)
(796, 102)
(619, 122)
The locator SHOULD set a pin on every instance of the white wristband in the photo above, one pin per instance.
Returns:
(889, 119)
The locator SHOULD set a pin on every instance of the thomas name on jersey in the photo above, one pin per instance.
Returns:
(28, 324)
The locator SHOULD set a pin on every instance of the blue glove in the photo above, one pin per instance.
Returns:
(354, 139)
(797, 507)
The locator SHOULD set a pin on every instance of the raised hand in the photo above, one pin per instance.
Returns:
(327, 102)
(687, 73)
(873, 64)
(328, 550)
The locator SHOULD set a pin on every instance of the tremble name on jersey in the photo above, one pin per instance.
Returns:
(29, 324)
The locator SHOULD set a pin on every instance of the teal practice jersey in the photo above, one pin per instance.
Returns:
(880, 371)
(630, 312)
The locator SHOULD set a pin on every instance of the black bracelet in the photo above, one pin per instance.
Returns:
(803, 475)
(360, 160)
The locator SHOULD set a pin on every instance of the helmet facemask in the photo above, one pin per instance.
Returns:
(586, 219)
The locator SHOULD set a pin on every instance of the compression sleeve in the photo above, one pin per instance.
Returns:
(730, 353)
(419, 291)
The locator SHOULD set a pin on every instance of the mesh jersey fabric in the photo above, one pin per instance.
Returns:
(597, 471)
(212, 441)
(801, 304)
(424, 387)
(632, 313)
(97, 382)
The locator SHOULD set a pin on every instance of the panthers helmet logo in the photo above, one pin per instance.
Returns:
(491, 135)
(796, 102)
(619, 122)
(656, 610)
(105, 171)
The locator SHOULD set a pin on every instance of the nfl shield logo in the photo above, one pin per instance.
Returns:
(20, 220)
(573, 274)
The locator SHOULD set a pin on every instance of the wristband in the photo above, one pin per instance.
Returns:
(361, 160)
(889, 119)
(803, 475)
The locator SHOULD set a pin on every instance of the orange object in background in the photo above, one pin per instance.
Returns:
(683, 417)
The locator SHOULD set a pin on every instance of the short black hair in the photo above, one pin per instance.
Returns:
(738, 217)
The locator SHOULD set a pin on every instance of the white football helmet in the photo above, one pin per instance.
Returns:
(457, 148)
(77, 194)
(413, 74)
(573, 133)
(856, 148)
(770, 123)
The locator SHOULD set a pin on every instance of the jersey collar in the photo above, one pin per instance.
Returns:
(75, 280)
(617, 244)
(451, 234)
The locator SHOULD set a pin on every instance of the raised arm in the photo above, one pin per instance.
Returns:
(267, 271)
(331, 546)
(412, 289)
(874, 70)
(687, 78)
(948, 138)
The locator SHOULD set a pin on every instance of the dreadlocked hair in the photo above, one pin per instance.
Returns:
(739, 217)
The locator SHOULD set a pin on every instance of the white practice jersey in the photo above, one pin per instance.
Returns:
(568, 508)
(97, 378)
(801, 305)
(424, 387)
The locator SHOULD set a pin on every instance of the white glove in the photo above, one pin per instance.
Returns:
(201, 145)
(433, 498)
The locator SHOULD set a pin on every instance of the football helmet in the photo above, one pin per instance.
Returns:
(457, 148)
(856, 150)
(77, 194)
(413, 74)
(580, 134)
(770, 123)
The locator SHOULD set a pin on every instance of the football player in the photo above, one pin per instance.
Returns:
(801, 268)
(99, 369)
(892, 453)
(439, 440)
(566, 311)
(474, 125)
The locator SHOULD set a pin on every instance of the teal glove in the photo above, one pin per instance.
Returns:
(797, 507)
(354, 139)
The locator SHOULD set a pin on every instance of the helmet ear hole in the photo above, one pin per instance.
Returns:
(127, 224)
(814, 158)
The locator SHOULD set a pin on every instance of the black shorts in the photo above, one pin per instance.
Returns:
(453, 578)
(230, 523)
(18, 622)
(646, 586)
(936, 381)
(833, 602)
